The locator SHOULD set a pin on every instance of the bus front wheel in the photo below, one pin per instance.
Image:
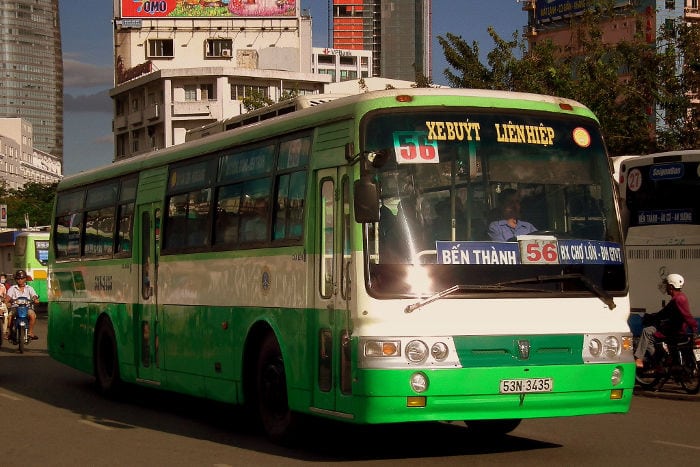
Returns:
(278, 421)
(107, 378)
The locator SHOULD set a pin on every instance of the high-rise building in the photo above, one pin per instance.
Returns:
(397, 32)
(32, 69)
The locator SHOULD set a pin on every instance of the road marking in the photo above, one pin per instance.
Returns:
(678, 445)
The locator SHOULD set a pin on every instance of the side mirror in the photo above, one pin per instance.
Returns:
(366, 201)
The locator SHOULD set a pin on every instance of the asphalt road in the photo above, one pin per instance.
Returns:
(51, 416)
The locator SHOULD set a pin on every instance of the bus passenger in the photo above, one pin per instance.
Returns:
(22, 289)
(674, 319)
(509, 226)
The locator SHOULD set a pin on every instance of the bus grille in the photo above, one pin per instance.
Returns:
(662, 253)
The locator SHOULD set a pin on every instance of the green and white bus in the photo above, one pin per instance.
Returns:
(335, 262)
(31, 253)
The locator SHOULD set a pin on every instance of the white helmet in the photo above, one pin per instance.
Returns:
(675, 280)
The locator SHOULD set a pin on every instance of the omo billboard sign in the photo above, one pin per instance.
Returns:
(208, 8)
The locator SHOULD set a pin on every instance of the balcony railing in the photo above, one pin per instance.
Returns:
(191, 108)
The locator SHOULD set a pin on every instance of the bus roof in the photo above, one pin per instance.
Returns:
(333, 110)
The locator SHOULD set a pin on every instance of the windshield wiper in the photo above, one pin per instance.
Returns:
(467, 287)
(602, 294)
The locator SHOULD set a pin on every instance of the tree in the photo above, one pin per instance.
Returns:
(629, 85)
(256, 99)
(33, 201)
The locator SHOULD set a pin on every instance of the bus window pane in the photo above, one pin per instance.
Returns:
(99, 196)
(126, 216)
(228, 213)
(282, 208)
(327, 276)
(175, 222)
(189, 176)
(246, 164)
(128, 192)
(290, 206)
(255, 208)
(70, 202)
(294, 153)
(67, 236)
(99, 232)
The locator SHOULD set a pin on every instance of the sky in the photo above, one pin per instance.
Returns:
(86, 31)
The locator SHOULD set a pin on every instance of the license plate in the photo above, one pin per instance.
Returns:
(522, 385)
(697, 354)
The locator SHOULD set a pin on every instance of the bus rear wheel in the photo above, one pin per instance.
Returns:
(278, 421)
(107, 377)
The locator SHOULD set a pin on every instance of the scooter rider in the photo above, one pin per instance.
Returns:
(672, 320)
(3, 308)
(21, 289)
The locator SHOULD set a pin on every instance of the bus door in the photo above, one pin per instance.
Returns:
(146, 316)
(332, 290)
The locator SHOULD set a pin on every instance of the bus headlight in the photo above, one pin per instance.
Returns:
(607, 348)
(416, 351)
(594, 347)
(439, 351)
(611, 347)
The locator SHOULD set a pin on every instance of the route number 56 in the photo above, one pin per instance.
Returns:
(414, 147)
(540, 252)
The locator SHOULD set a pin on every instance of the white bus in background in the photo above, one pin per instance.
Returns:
(660, 200)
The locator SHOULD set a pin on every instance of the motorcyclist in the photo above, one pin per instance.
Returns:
(674, 319)
(22, 289)
(3, 308)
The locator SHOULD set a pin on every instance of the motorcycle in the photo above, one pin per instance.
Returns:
(19, 327)
(674, 359)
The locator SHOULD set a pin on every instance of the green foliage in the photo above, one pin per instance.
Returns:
(35, 200)
(630, 85)
(256, 100)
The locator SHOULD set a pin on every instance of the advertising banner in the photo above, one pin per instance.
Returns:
(208, 8)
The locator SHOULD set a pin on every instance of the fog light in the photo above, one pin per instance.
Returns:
(616, 376)
(419, 382)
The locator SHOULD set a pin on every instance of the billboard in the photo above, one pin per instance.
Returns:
(208, 8)
(548, 10)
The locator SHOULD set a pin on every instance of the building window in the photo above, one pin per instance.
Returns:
(345, 60)
(218, 48)
(670, 4)
(326, 59)
(239, 91)
(208, 92)
(160, 48)
(670, 26)
(190, 92)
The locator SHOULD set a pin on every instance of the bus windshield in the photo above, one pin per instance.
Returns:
(663, 193)
(484, 198)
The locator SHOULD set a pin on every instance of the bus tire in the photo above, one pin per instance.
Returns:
(106, 360)
(277, 420)
(492, 427)
(690, 372)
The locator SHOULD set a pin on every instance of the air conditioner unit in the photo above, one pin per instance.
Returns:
(225, 53)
